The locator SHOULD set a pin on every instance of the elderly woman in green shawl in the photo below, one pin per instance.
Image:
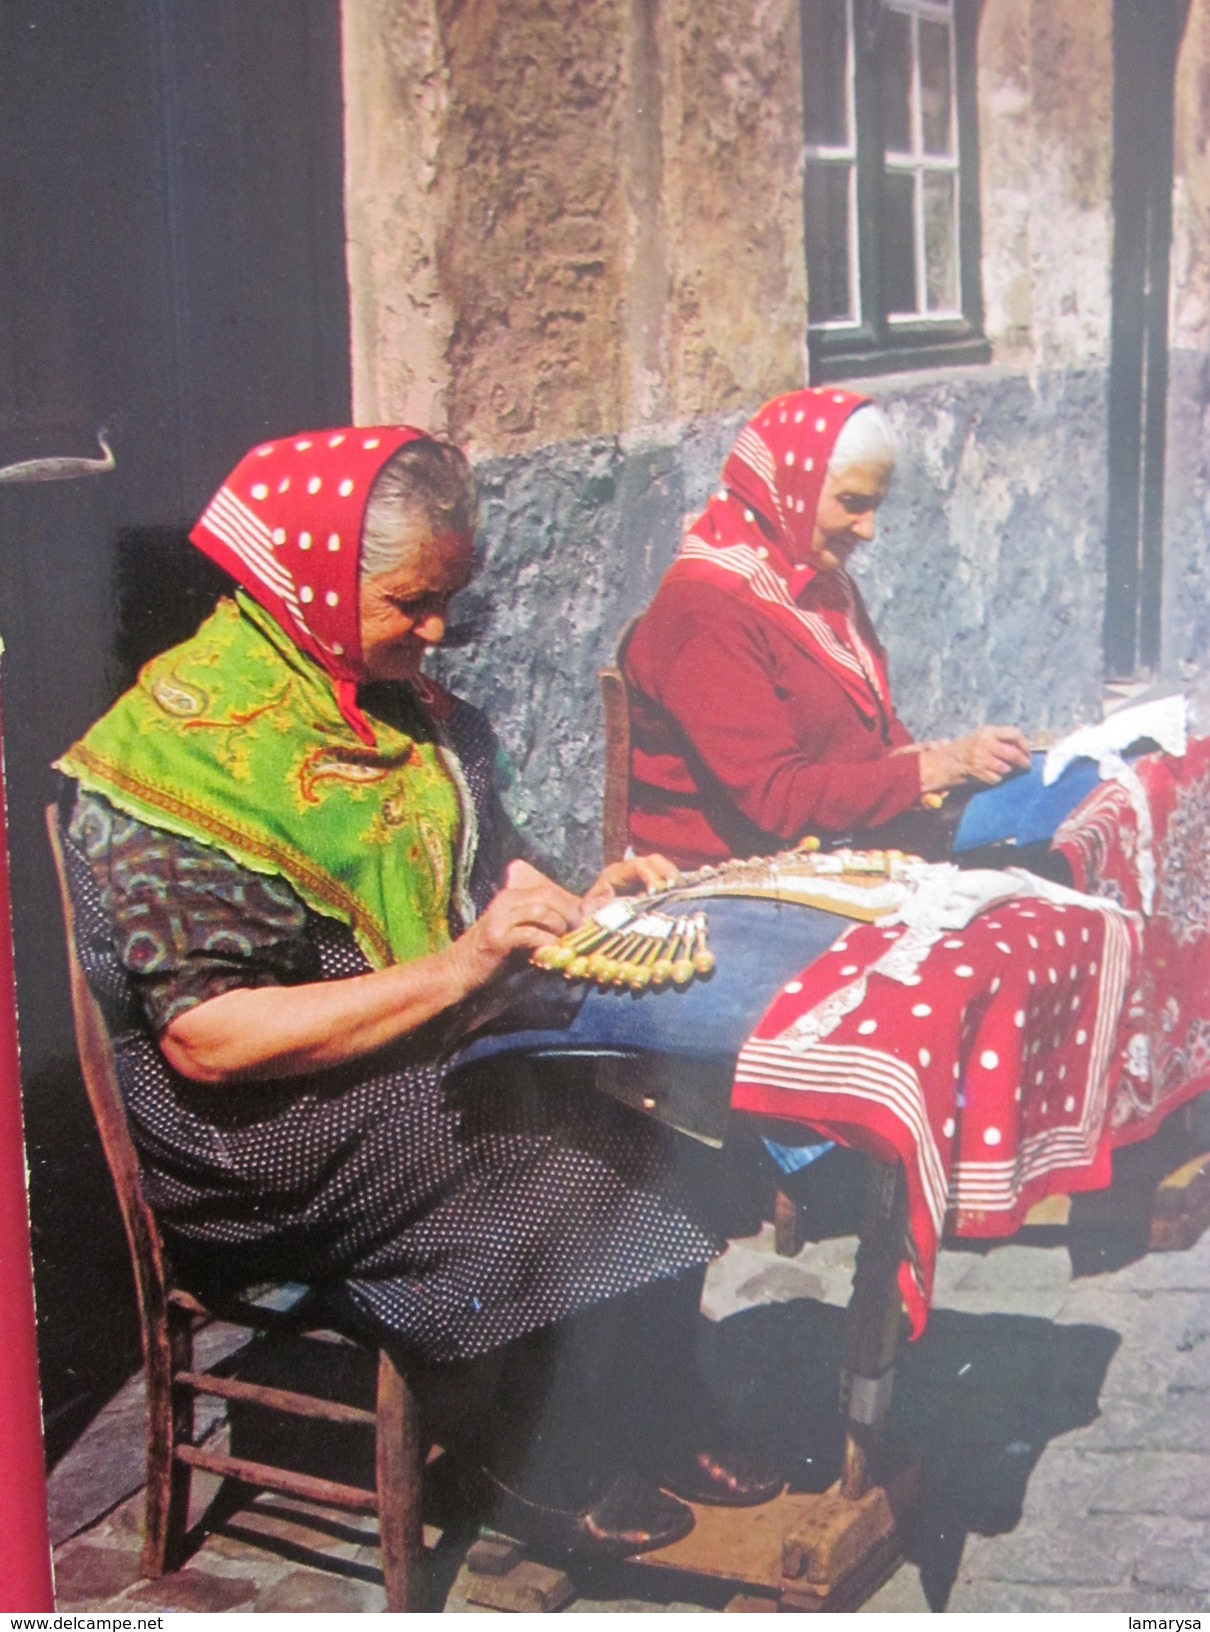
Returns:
(290, 846)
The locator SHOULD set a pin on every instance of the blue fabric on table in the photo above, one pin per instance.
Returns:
(793, 1158)
(1021, 810)
(757, 945)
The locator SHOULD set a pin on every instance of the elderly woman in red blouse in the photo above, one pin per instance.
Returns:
(760, 705)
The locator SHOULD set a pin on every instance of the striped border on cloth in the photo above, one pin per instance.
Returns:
(745, 563)
(247, 536)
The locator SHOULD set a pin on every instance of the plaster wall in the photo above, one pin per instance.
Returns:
(396, 92)
(733, 325)
(1186, 597)
(572, 219)
(1045, 92)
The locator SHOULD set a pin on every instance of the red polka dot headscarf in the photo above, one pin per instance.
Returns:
(780, 460)
(776, 471)
(287, 525)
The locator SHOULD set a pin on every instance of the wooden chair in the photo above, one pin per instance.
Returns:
(168, 1315)
(615, 702)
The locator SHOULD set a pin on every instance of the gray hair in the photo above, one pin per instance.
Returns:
(866, 438)
(426, 486)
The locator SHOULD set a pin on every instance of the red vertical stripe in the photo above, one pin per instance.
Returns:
(25, 1579)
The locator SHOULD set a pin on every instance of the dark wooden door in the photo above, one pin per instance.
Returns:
(1146, 38)
(171, 268)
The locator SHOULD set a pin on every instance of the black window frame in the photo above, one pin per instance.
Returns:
(875, 344)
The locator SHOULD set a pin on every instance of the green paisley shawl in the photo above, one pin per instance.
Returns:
(234, 739)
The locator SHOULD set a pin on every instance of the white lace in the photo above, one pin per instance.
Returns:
(943, 898)
(1165, 721)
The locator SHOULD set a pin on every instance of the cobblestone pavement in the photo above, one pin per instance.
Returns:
(1058, 1400)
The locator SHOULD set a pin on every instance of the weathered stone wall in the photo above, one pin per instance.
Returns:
(1186, 597)
(401, 319)
(1045, 89)
(575, 539)
(572, 219)
(986, 578)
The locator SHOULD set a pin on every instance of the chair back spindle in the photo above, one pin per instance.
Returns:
(615, 702)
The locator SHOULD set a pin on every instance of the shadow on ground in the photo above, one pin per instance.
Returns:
(977, 1399)
(1109, 1229)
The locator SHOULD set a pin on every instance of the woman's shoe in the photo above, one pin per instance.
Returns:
(723, 1479)
(630, 1516)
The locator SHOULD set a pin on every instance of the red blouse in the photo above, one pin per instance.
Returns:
(740, 741)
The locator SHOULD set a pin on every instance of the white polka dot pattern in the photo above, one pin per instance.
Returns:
(1005, 1026)
(279, 503)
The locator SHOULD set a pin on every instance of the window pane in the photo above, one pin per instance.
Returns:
(825, 72)
(897, 81)
(940, 242)
(826, 208)
(899, 243)
(935, 96)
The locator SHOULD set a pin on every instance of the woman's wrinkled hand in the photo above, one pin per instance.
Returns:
(530, 911)
(630, 877)
(987, 755)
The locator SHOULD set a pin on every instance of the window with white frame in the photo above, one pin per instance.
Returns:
(890, 184)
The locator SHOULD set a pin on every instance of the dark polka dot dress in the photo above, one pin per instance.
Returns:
(456, 1218)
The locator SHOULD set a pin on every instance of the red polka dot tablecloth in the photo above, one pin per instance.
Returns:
(1149, 849)
(1027, 1046)
(985, 1072)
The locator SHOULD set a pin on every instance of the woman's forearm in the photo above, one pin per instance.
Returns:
(284, 1031)
(279, 1031)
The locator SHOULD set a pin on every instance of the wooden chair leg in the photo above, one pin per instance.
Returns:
(168, 1348)
(787, 1226)
(400, 1468)
(873, 1325)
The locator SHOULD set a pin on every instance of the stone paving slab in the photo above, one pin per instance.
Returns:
(109, 1460)
(750, 1274)
(1043, 1301)
(1167, 1483)
(1187, 1271)
(1063, 1424)
(1008, 1266)
(1116, 1424)
(1178, 1558)
(328, 1594)
(1192, 1374)
(1066, 1482)
(196, 1589)
(88, 1574)
(903, 1594)
(1010, 1597)
(1073, 1549)
(952, 1268)
(1151, 1327)
(1179, 1423)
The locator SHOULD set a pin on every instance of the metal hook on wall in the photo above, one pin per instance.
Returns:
(61, 470)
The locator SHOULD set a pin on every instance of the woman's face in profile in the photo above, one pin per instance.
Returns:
(848, 506)
(403, 612)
